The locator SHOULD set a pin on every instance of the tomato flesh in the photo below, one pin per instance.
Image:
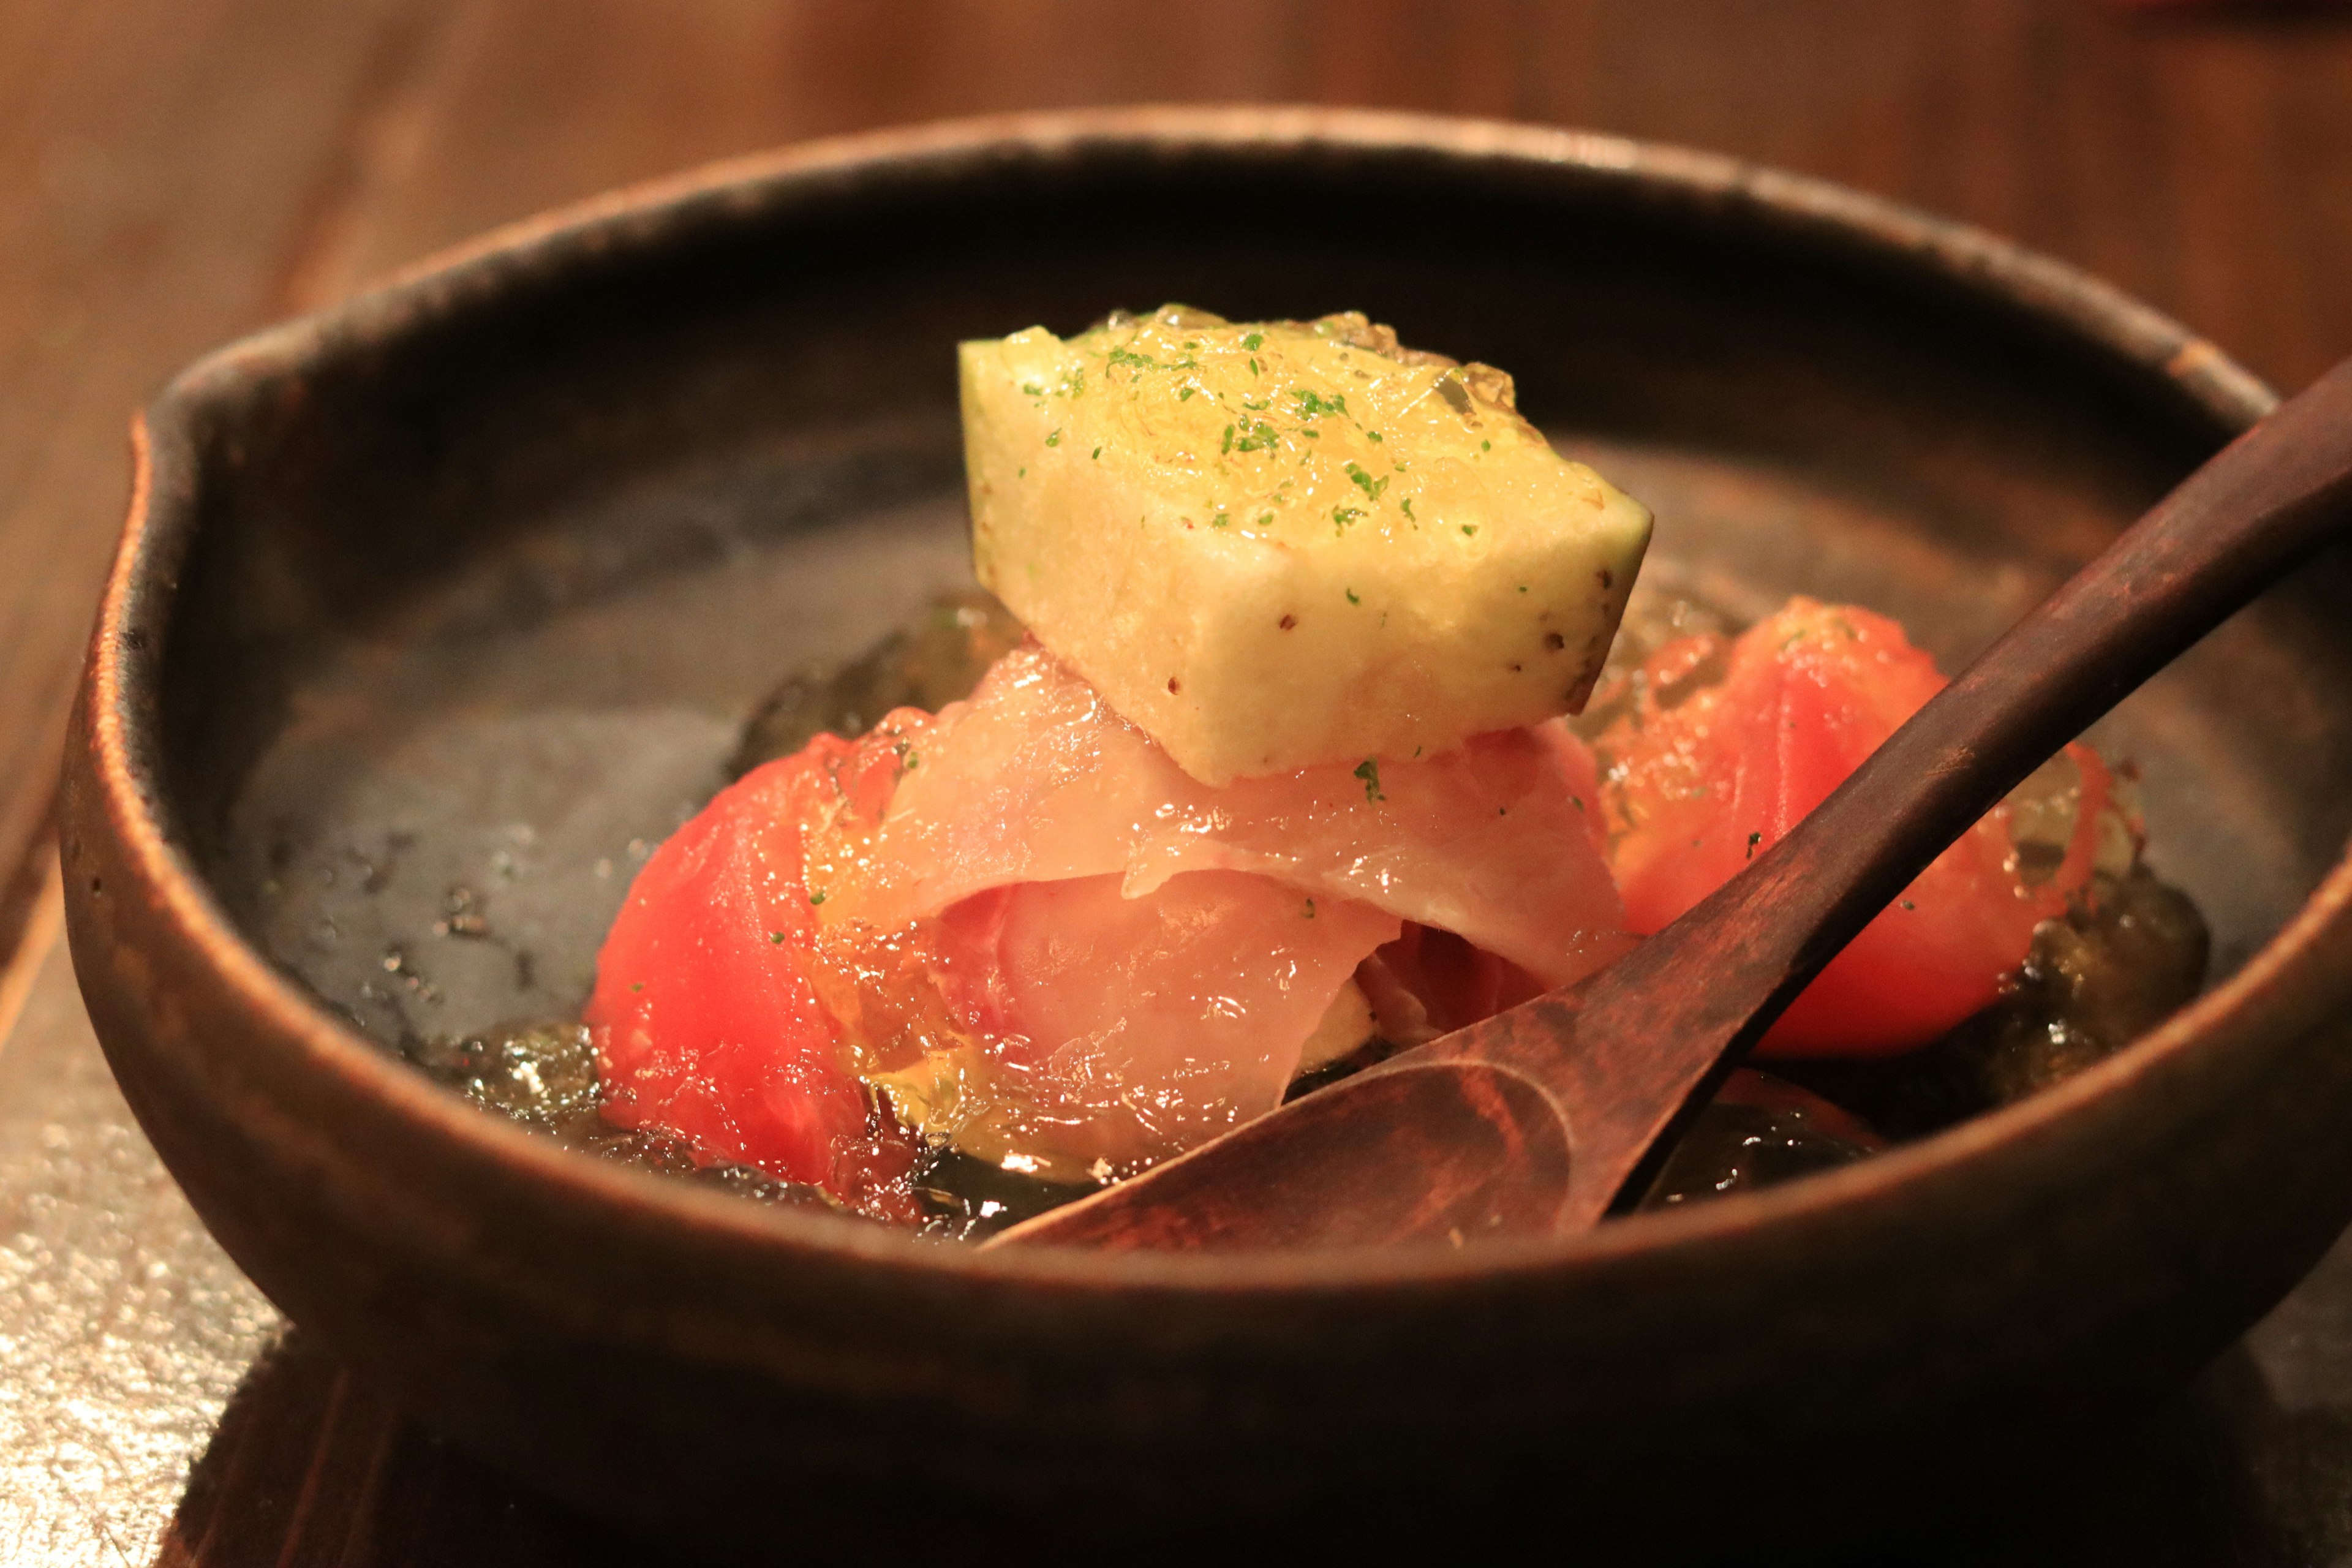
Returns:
(1703, 773)
(706, 1025)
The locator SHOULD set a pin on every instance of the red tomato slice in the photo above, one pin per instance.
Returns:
(1701, 777)
(705, 1022)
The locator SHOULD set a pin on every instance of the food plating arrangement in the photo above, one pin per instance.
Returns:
(1310, 708)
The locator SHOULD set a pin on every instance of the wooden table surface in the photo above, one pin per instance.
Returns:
(175, 172)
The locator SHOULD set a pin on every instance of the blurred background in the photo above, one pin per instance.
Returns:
(173, 172)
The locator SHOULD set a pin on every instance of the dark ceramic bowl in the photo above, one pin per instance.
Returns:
(464, 584)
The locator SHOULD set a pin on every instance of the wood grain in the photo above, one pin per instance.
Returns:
(174, 172)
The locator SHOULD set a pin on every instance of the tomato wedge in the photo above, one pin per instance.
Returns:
(705, 1022)
(1724, 745)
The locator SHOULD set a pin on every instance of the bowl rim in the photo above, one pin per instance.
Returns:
(119, 728)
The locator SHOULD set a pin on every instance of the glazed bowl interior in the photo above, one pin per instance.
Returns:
(483, 605)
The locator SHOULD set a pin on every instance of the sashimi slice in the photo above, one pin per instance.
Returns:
(1036, 779)
(1092, 1032)
(1429, 982)
(1048, 946)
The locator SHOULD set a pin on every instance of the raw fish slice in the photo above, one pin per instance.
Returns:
(1092, 1032)
(1429, 982)
(1036, 779)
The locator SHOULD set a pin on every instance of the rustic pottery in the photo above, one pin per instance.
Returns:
(453, 589)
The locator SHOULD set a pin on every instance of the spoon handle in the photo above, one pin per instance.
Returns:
(1694, 996)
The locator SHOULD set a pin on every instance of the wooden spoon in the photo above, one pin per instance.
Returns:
(1540, 1118)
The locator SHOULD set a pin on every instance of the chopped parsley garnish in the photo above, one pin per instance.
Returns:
(1229, 441)
(817, 898)
(1310, 908)
(1369, 770)
(1469, 530)
(1352, 597)
(777, 937)
(1129, 357)
(1407, 504)
(1054, 439)
(1312, 405)
(1251, 341)
(1753, 840)
(1186, 394)
(1098, 452)
(1341, 516)
(1220, 520)
(1366, 483)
